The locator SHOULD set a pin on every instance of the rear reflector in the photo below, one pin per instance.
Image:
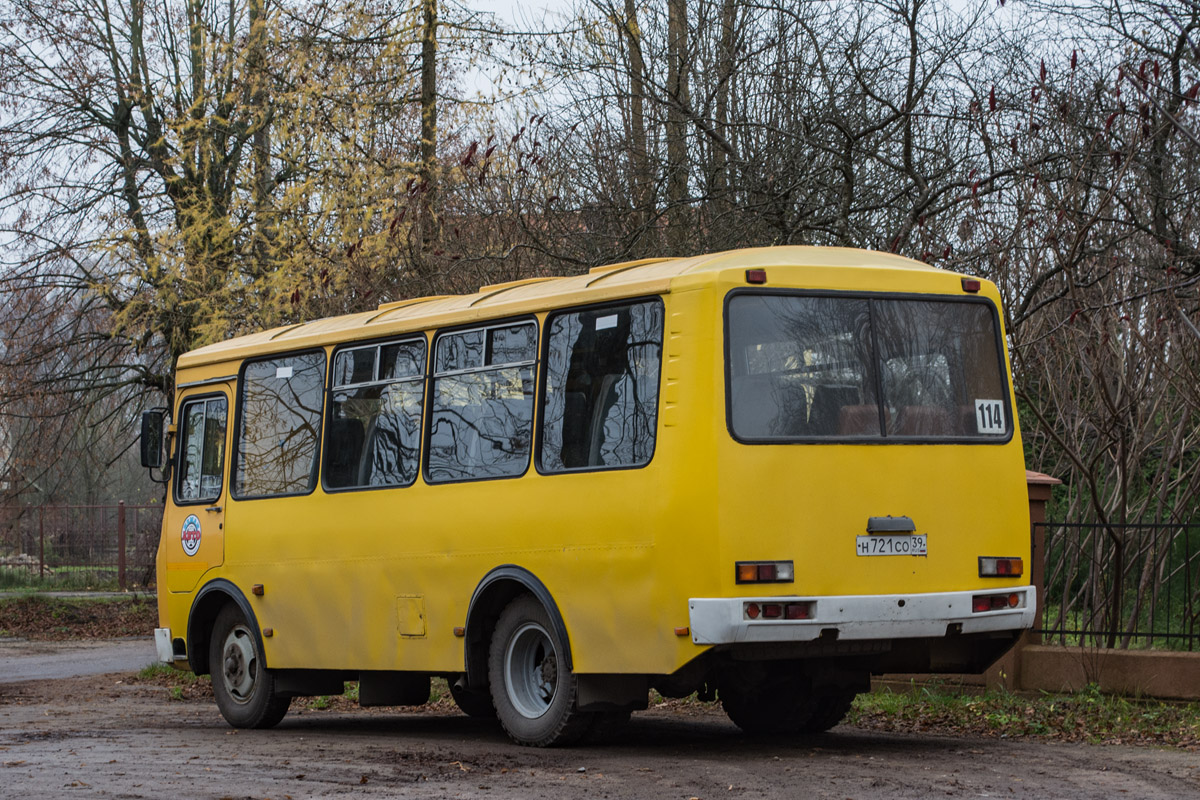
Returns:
(995, 602)
(754, 609)
(756, 276)
(971, 285)
(764, 572)
(994, 567)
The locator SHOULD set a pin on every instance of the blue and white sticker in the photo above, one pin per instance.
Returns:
(190, 535)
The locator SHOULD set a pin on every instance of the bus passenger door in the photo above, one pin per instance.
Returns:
(194, 530)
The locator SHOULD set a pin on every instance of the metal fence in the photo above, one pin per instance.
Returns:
(1134, 585)
(79, 546)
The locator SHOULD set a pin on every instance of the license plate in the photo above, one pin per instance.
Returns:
(907, 545)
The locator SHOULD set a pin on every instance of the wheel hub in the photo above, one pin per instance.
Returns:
(531, 670)
(240, 664)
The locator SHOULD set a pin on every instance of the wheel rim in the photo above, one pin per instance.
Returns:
(239, 664)
(531, 670)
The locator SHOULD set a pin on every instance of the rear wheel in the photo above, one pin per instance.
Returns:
(773, 706)
(243, 686)
(829, 708)
(532, 689)
(782, 702)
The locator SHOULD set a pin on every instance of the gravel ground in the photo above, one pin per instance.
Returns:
(103, 736)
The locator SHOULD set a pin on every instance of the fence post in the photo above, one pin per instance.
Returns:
(1040, 488)
(121, 544)
(41, 542)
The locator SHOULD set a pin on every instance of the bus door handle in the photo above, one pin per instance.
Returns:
(214, 509)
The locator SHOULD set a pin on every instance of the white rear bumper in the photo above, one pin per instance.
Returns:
(723, 620)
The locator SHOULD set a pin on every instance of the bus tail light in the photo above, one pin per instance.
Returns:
(994, 602)
(971, 285)
(754, 609)
(764, 572)
(756, 276)
(992, 567)
(798, 611)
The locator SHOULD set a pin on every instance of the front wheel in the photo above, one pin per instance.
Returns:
(243, 686)
(532, 689)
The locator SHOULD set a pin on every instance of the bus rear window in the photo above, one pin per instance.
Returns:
(852, 367)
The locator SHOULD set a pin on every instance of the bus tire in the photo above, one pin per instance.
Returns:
(533, 691)
(776, 705)
(243, 686)
(829, 709)
(472, 702)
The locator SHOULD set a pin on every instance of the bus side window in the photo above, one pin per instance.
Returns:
(279, 425)
(601, 399)
(374, 432)
(481, 413)
(202, 460)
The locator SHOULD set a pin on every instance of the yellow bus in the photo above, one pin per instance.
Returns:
(761, 475)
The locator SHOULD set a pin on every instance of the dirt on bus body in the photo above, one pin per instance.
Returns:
(111, 736)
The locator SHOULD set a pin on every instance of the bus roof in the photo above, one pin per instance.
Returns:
(628, 279)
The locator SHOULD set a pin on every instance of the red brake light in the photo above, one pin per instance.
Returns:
(971, 285)
(995, 602)
(798, 611)
(756, 276)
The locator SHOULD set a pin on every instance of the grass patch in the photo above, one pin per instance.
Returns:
(64, 579)
(58, 618)
(1085, 716)
(179, 684)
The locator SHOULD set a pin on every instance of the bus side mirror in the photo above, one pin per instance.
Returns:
(152, 437)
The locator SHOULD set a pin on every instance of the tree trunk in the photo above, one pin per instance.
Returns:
(431, 216)
(677, 101)
(264, 223)
(642, 184)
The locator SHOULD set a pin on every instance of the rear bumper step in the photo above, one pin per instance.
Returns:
(899, 616)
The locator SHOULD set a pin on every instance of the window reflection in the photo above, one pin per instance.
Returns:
(482, 403)
(602, 373)
(203, 457)
(810, 366)
(280, 425)
(374, 436)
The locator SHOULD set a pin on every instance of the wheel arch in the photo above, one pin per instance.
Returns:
(492, 594)
(208, 603)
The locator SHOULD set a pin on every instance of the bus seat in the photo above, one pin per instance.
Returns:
(769, 405)
(828, 401)
(345, 441)
(606, 399)
(924, 421)
(858, 420)
(574, 429)
(754, 406)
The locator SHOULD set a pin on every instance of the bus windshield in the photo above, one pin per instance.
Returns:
(836, 367)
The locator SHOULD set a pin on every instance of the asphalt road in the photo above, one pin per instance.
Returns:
(22, 660)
